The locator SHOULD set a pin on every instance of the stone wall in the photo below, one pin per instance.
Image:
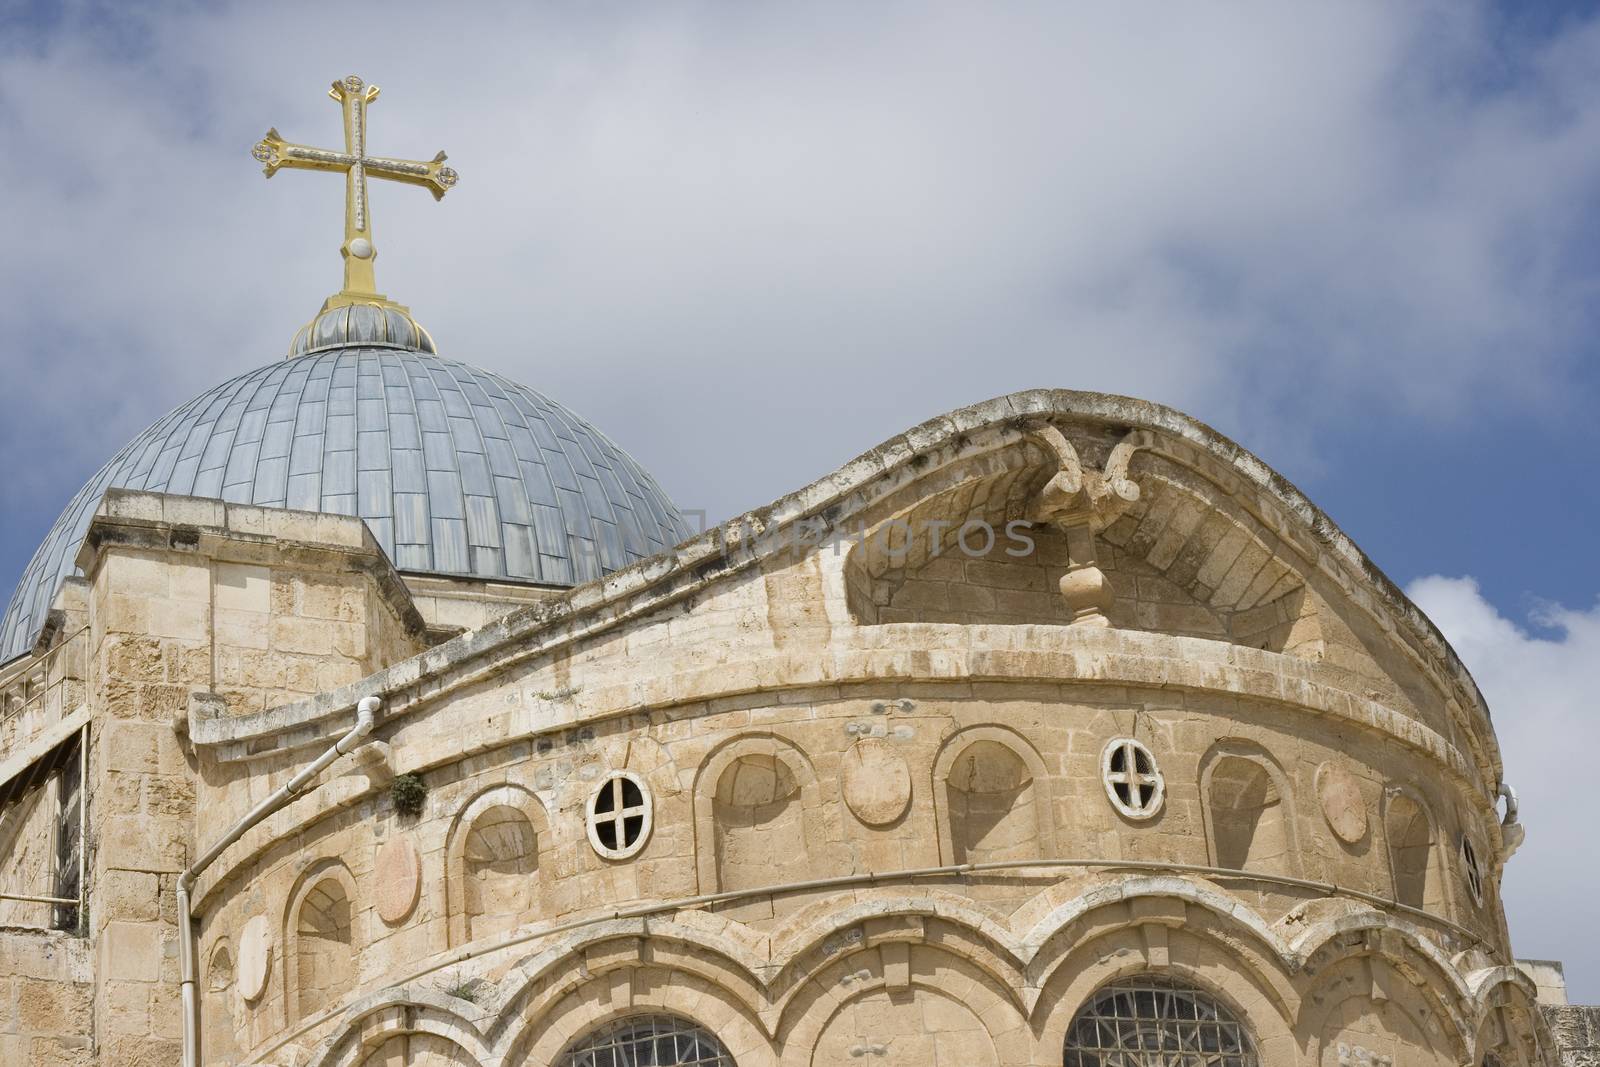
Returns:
(199, 597)
(779, 732)
(46, 999)
(1577, 1033)
(754, 728)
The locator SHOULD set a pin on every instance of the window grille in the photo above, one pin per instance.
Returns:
(1155, 1022)
(648, 1041)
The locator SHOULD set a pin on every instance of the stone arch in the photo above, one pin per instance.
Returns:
(707, 950)
(418, 1050)
(1510, 1026)
(217, 1019)
(1249, 810)
(1411, 836)
(492, 857)
(822, 931)
(1187, 954)
(1362, 1010)
(1405, 947)
(1495, 1044)
(320, 946)
(759, 815)
(423, 1025)
(1378, 957)
(588, 1002)
(991, 798)
(903, 1003)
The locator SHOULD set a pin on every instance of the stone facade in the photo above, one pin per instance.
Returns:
(1050, 696)
(1577, 1032)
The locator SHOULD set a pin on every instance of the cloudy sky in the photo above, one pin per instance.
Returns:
(751, 240)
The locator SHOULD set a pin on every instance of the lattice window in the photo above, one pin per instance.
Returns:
(1472, 869)
(647, 1041)
(619, 816)
(1155, 1022)
(1132, 780)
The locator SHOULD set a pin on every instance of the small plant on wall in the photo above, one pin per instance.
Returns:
(408, 793)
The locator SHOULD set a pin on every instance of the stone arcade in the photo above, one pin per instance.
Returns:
(1058, 730)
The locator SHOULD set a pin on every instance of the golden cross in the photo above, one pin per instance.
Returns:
(358, 251)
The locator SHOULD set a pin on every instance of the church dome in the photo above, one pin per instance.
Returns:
(456, 471)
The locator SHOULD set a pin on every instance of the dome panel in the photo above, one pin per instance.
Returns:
(455, 470)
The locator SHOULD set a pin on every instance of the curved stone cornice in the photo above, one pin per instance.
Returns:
(908, 652)
(742, 542)
(1030, 955)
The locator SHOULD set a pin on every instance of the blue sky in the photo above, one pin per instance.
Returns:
(750, 241)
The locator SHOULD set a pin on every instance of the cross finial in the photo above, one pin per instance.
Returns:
(358, 251)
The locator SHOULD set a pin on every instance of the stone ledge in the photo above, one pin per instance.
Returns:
(701, 561)
(237, 533)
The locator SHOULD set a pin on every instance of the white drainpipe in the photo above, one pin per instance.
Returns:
(1512, 833)
(188, 960)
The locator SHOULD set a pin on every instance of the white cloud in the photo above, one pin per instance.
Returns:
(696, 223)
(749, 240)
(1540, 679)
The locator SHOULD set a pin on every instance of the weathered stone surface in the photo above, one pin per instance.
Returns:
(255, 956)
(1577, 1033)
(1342, 803)
(397, 876)
(833, 737)
(877, 782)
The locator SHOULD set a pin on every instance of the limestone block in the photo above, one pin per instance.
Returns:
(132, 747)
(255, 957)
(877, 782)
(129, 895)
(243, 587)
(242, 629)
(398, 877)
(136, 659)
(1342, 803)
(183, 620)
(130, 952)
(42, 1007)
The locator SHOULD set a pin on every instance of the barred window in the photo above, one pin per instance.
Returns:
(647, 1041)
(1152, 1021)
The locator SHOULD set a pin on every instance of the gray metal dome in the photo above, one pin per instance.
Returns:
(456, 471)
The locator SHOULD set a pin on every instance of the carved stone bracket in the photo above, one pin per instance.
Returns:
(1080, 501)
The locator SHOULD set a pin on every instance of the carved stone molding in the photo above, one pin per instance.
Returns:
(1081, 501)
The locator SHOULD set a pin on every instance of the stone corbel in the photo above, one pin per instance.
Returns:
(1080, 502)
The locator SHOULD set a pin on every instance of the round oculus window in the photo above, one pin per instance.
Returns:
(619, 815)
(1132, 779)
